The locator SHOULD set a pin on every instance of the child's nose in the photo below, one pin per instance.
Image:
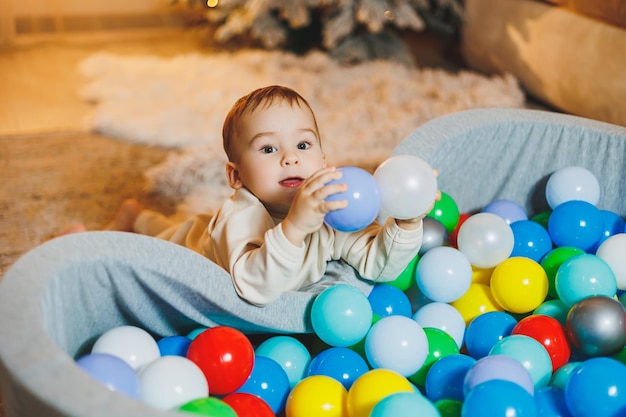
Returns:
(291, 158)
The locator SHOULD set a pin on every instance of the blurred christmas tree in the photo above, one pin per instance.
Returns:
(350, 30)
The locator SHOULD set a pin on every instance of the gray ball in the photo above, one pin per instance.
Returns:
(597, 326)
(435, 234)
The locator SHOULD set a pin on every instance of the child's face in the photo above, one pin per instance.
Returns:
(276, 148)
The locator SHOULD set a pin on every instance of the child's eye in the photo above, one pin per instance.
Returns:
(268, 149)
(304, 145)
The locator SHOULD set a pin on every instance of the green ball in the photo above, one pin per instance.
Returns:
(209, 406)
(553, 260)
(440, 345)
(406, 279)
(542, 218)
(446, 211)
(448, 407)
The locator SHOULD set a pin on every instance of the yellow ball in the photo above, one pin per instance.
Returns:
(519, 284)
(317, 396)
(481, 275)
(373, 386)
(476, 301)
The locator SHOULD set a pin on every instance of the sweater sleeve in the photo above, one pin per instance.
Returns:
(246, 242)
(379, 253)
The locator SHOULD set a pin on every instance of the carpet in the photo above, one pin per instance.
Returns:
(179, 103)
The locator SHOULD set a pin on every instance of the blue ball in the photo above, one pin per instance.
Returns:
(612, 224)
(174, 345)
(597, 387)
(363, 198)
(576, 223)
(486, 330)
(445, 377)
(113, 372)
(550, 402)
(509, 210)
(290, 353)
(341, 315)
(340, 363)
(268, 381)
(404, 404)
(387, 300)
(530, 240)
(499, 398)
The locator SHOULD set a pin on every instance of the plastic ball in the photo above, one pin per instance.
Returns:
(529, 353)
(405, 404)
(519, 284)
(561, 375)
(387, 300)
(446, 377)
(476, 301)
(597, 387)
(434, 235)
(550, 402)
(530, 240)
(446, 211)
(132, 344)
(372, 387)
(554, 308)
(397, 343)
(440, 345)
(486, 330)
(486, 239)
(500, 367)
(576, 223)
(498, 398)
(341, 315)
(553, 260)
(443, 274)
(408, 186)
(113, 372)
(584, 276)
(317, 396)
(597, 326)
(612, 223)
(268, 381)
(290, 353)
(209, 406)
(340, 363)
(509, 210)
(363, 197)
(174, 345)
(248, 405)
(572, 183)
(482, 275)
(612, 252)
(542, 218)
(449, 408)
(406, 279)
(225, 356)
(172, 381)
(550, 333)
(444, 317)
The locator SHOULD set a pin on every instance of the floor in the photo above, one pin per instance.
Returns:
(40, 85)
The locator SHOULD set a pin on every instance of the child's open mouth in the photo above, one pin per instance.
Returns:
(292, 182)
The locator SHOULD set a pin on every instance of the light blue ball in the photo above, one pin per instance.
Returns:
(530, 353)
(290, 353)
(363, 198)
(341, 315)
(405, 404)
(584, 276)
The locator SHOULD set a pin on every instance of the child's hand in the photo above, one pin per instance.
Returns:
(412, 224)
(309, 206)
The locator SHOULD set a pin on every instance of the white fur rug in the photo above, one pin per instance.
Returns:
(363, 111)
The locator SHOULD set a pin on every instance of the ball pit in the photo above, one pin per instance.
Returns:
(174, 294)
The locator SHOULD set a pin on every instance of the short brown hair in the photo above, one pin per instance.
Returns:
(264, 96)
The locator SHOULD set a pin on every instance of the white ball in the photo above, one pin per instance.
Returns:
(172, 381)
(613, 252)
(132, 344)
(408, 186)
(443, 274)
(442, 316)
(486, 239)
(572, 183)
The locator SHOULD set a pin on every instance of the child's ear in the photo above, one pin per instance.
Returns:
(232, 173)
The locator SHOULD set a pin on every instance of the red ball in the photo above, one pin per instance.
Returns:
(452, 238)
(248, 405)
(225, 356)
(550, 333)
